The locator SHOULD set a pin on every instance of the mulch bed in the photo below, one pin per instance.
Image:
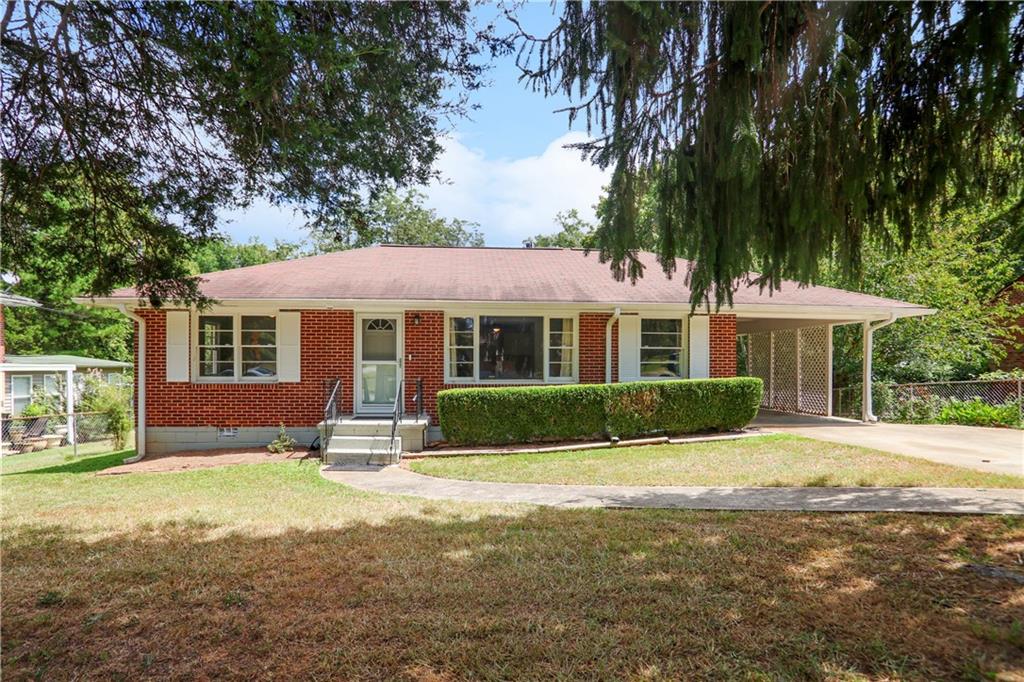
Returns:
(444, 450)
(202, 459)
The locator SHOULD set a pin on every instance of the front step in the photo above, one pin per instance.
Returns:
(361, 427)
(361, 450)
(411, 431)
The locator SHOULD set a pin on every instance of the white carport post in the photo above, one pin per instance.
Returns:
(69, 402)
(869, 328)
(865, 391)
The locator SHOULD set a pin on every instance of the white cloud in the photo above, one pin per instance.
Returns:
(264, 221)
(513, 199)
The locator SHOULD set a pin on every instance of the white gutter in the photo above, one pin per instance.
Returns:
(608, 344)
(836, 312)
(140, 386)
(869, 328)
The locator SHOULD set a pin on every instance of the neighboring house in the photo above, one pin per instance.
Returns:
(1013, 293)
(22, 375)
(385, 318)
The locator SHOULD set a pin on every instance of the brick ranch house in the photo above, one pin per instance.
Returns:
(385, 319)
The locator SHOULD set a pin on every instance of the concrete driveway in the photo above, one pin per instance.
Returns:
(996, 450)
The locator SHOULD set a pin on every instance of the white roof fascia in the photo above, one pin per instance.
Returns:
(15, 367)
(872, 312)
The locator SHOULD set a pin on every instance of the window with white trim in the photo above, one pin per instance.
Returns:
(259, 346)
(51, 385)
(511, 348)
(21, 392)
(561, 347)
(531, 348)
(461, 346)
(661, 349)
(237, 346)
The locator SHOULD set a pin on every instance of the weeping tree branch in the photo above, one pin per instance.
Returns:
(773, 136)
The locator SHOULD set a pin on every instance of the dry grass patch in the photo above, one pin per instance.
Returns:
(265, 571)
(773, 460)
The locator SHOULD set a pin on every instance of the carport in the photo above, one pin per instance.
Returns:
(791, 352)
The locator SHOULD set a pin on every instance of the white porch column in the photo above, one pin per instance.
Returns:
(69, 403)
(866, 413)
(865, 400)
(828, 370)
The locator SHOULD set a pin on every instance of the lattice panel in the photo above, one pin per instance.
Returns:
(814, 370)
(759, 360)
(784, 371)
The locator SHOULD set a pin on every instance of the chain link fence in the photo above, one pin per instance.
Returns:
(999, 401)
(49, 431)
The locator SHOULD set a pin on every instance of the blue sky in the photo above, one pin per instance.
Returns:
(506, 167)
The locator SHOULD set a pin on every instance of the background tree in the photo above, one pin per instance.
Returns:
(575, 232)
(166, 112)
(56, 275)
(53, 271)
(969, 258)
(227, 254)
(401, 218)
(775, 134)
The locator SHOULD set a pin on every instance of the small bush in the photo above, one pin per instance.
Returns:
(114, 402)
(919, 410)
(976, 412)
(283, 443)
(491, 416)
(34, 409)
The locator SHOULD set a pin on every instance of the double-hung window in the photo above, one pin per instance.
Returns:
(461, 340)
(21, 392)
(237, 346)
(561, 347)
(511, 348)
(661, 349)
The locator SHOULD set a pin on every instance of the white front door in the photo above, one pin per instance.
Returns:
(379, 364)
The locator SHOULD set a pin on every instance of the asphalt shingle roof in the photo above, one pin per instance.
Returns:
(423, 273)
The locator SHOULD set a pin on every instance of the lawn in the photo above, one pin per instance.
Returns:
(262, 571)
(773, 460)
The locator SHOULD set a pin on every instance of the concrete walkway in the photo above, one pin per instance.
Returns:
(987, 449)
(397, 481)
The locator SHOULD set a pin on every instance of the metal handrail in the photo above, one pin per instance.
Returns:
(334, 391)
(396, 413)
(331, 404)
(419, 398)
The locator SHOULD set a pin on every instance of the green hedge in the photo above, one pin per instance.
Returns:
(491, 416)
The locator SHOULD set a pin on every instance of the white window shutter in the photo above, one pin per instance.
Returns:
(700, 347)
(288, 346)
(177, 345)
(629, 348)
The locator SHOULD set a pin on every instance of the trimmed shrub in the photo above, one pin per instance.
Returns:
(492, 416)
(686, 406)
(520, 414)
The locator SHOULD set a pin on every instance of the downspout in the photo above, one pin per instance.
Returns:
(608, 344)
(140, 386)
(869, 328)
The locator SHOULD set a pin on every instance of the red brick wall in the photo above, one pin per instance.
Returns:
(1014, 346)
(326, 352)
(592, 346)
(424, 357)
(722, 337)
